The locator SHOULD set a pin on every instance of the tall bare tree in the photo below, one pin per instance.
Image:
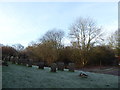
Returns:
(85, 32)
(114, 41)
(18, 47)
(54, 35)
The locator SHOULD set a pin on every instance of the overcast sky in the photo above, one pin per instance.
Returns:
(23, 22)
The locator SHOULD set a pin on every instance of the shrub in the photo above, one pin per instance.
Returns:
(101, 55)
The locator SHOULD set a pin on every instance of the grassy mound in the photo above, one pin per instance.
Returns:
(18, 76)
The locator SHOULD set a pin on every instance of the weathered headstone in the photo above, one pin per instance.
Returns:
(53, 67)
(13, 60)
(60, 66)
(16, 60)
(71, 67)
(41, 65)
(20, 61)
(24, 62)
(8, 58)
(29, 64)
(4, 59)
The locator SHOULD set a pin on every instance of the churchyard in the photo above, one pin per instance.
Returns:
(23, 76)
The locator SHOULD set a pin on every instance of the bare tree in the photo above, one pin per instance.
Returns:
(18, 47)
(85, 32)
(114, 41)
(54, 35)
(46, 52)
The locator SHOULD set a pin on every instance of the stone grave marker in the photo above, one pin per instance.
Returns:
(13, 60)
(71, 67)
(60, 66)
(16, 60)
(41, 65)
(24, 62)
(4, 63)
(29, 63)
(53, 67)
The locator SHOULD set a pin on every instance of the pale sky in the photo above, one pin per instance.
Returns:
(23, 22)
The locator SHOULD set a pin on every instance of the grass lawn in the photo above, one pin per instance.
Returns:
(18, 76)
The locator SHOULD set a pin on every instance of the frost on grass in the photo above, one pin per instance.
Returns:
(17, 76)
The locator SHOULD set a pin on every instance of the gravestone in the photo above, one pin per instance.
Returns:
(24, 62)
(71, 67)
(13, 60)
(4, 63)
(53, 67)
(4, 59)
(41, 65)
(60, 66)
(29, 64)
(20, 61)
(8, 58)
(16, 60)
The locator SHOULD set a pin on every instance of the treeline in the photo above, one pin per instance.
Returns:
(87, 47)
(98, 55)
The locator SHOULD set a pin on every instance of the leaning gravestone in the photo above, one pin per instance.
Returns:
(41, 65)
(60, 66)
(53, 67)
(83, 75)
(71, 67)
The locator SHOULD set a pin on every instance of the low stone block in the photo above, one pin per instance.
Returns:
(4, 63)
(29, 64)
(53, 67)
(41, 65)
(60, 66)
(71, 67)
